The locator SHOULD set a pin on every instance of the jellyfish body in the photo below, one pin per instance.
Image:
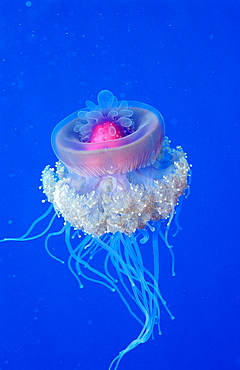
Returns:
(104, 186)
(116, 179)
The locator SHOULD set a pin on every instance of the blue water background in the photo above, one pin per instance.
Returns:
(182, 57)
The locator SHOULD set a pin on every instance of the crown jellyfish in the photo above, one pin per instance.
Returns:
(116, 181)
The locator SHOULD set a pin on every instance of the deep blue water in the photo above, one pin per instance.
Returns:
(182, 57)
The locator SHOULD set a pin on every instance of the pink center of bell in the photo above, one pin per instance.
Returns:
(106, 131)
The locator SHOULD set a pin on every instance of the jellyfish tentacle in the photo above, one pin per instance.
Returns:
(25, 236)
(56, 233)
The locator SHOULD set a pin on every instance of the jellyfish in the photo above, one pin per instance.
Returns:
(117, 185)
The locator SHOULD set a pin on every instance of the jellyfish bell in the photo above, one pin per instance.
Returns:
(116, 179)
(111, 138)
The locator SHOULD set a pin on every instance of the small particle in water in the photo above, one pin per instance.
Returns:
(174, 121)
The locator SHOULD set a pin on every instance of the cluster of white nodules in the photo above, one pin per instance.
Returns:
(125, 211)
